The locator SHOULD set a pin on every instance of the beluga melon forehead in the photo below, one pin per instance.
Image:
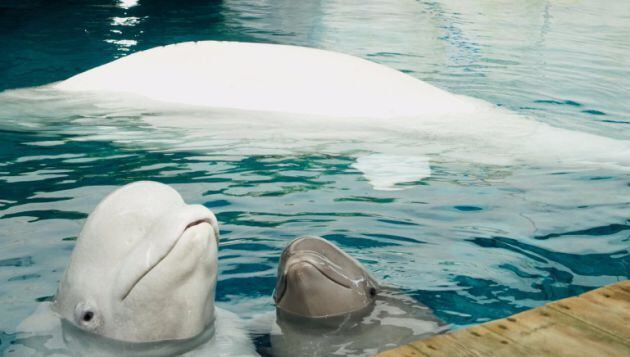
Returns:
(316, 279)
(144, 267)
(126, 214)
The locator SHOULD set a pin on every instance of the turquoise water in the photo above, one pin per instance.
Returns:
(473, 242)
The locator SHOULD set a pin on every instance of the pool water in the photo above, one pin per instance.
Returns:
(472, 241)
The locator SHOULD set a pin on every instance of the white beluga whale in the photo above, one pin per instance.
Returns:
(265, 91)
(327, 303)
(268, 99)
(269, 77)
(141, 281)
(142, 246)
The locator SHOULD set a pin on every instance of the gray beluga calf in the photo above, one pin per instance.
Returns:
(141, 281)
(327, 303)
(317, 279)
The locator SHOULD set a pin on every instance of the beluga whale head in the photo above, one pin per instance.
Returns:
(316, 279)
(144, 267)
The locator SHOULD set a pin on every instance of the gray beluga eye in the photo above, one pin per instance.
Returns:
(372, 292)
(86, 316)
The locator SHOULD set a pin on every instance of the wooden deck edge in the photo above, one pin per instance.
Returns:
(596, 323)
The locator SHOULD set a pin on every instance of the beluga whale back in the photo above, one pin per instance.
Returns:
(269, 99)
(268, 77)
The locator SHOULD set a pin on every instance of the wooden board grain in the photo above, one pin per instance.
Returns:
(596, 323)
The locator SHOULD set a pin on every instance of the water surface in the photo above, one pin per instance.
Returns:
(473, 242)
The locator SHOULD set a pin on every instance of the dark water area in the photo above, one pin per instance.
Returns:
(47, 41)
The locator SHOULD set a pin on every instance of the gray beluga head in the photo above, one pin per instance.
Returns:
(144, 267)
(316, 279)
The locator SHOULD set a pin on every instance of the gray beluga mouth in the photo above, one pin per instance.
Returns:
(159, 242)
(326, 267)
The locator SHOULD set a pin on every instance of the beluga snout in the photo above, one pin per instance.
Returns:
(316, 279)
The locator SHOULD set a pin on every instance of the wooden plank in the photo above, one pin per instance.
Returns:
(477, 341)
(443, 346)
(596, 323)
(553, 333)
(402, 351)
(622, 285)
(601, 309)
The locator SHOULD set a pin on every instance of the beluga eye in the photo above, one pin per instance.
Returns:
(86, 316)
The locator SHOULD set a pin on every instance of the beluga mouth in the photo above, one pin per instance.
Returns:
(198, 222)
(186, 222)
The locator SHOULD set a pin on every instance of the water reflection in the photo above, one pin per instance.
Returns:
(123, 27)
(126, 4)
